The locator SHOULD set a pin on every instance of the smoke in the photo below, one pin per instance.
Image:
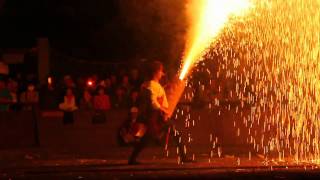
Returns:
(158, 28)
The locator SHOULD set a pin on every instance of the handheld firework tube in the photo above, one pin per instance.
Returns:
(174, 93)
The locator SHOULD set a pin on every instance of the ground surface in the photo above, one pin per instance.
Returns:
(38, 163)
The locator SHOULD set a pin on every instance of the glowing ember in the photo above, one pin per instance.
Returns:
(208, 19)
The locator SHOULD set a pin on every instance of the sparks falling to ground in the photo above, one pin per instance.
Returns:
(272, 58)
(207, 17)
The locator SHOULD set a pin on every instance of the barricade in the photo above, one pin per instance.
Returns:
(84, 132)
(88, 131)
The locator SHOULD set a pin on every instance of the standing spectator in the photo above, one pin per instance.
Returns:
(81, 83)
(5, 97)
(101, 100)
(80, 86)
(108, 87)
(29, 97)
(128, 132)
(13, 88)
(101, 104)
(133, 101)
(20, 80)
(119, 100)
(49, 96)
(126, 85)
(68, 106)
(135, 80)
(114, 84)
(30, 78)
(86, 100)
(113, 79)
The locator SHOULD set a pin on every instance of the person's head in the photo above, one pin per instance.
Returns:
(119, 91)
(31, 87)
(100, 90)
(156, 71)
(68, 82)
(134, 74)
(134, 95)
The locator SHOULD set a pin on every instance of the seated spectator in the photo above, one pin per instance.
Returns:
(29, 97)
(131, 131)
(13, 88)
(80, 87)
(108, 87)
(135, 80)
(114, 84)
(69, 103)
(86, 100)
(101, 100)
(120, 99)
(5, 97)
(68, 106)
(126, 85)
(81, 83)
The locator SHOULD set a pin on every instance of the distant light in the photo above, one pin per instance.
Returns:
(90, 83)
(49, 80)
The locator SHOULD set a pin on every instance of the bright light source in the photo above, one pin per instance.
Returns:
(49, 80)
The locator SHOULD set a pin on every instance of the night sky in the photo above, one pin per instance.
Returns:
(97, 29)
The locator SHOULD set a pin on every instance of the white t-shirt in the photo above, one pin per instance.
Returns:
(158, 95)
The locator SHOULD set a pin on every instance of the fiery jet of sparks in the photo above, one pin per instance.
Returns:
(273, 57)
(208, 18)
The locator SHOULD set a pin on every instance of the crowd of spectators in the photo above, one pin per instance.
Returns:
(71, 93)
(117, 90)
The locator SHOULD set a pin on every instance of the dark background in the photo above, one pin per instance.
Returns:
(105, 30)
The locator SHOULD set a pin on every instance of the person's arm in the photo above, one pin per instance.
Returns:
(165, 100)
(157, 105)
(156, 91)
(154, 101)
